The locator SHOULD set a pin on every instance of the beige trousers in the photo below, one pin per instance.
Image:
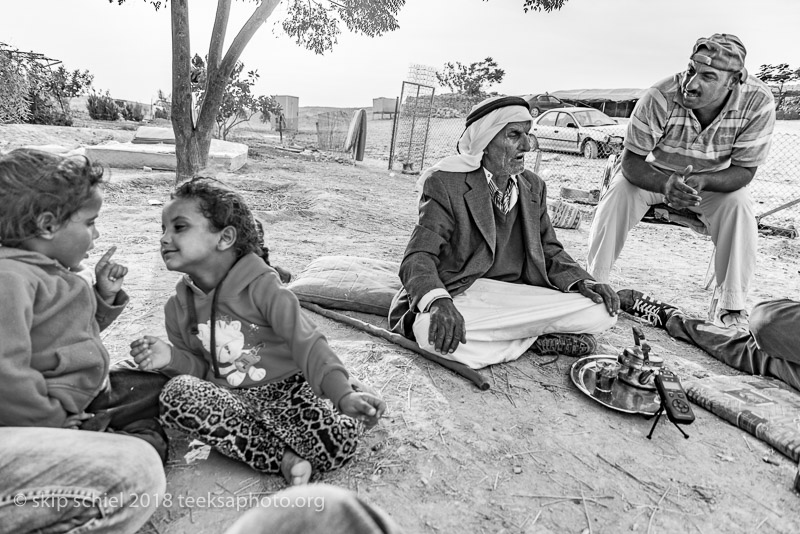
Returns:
(503, 320)
(729, 217)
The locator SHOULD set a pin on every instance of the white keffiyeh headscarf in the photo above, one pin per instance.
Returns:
(478, 135)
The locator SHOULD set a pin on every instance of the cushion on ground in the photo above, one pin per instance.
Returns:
(348, 283)
(150, 135)
(223, 155)
(766, 408)
(53, 149)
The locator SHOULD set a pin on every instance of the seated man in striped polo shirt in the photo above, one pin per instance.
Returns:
(694, 141)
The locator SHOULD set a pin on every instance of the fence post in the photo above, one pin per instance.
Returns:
(413, 123)
(394, 131)
(425, 143)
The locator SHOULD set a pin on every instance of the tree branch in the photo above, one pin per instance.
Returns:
(256, 20)
(235, 122)
(216, 82)
(218, 34)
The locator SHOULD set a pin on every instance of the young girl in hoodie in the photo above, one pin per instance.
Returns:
(250, 370)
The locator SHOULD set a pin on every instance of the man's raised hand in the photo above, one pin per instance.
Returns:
(677, 193)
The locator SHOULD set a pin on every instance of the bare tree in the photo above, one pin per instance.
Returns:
(778, 75)
(470, 79)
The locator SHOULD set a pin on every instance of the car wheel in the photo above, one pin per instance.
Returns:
(534, 142)
(589, 149)
(535, 112)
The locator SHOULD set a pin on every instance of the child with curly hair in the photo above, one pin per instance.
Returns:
(250, 370)
(54, 369)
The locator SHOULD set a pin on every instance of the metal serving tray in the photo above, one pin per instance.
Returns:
(623, 398)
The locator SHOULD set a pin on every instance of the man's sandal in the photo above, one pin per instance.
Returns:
(645, 307)
(734, 318)
(575, 345)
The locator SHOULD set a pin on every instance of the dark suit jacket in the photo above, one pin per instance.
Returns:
(453, 243)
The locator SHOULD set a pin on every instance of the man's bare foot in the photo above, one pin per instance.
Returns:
(295, 469)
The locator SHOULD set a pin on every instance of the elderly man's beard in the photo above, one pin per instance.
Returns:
(511, 165)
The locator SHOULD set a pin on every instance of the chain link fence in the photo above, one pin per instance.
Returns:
(776, 186)
(332, 127)
(411, 129)
(439, 120)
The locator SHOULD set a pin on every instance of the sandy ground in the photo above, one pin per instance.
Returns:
(532, 454)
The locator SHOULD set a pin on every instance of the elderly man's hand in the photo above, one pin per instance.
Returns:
(600, 293)
(447, 327)
(678, 190)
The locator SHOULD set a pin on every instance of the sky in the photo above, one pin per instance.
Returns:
(588, 44)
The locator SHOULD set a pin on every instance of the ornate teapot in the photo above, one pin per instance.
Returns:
(638, 366)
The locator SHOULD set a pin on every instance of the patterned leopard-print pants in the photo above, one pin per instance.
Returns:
(255, 425)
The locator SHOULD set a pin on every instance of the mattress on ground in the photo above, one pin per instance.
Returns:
(766, 408)
(223, 155)
(151, 135)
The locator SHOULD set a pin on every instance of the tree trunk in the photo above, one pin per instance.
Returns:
(191, 147)
(192, 153)
(193, 140)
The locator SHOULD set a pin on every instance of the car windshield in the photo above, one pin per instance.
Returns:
(592, 117)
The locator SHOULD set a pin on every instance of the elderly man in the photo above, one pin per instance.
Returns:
(484, 277)
(694, 141)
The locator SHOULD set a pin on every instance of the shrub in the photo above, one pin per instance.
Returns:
(162, 113)
(102, 107)
(14, 88)
(46, 109)
(132, 111)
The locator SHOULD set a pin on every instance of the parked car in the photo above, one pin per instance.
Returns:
(586, 131)
(540, 103)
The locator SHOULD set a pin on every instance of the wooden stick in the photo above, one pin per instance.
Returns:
(779, 208)
(564, 497)
(650, 485)
(653, 513)
(586, 511)
(459, 368)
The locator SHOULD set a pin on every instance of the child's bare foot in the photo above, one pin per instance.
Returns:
(295, 469)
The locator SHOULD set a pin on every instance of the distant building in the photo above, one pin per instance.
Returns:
(291, 113)
(384, 106)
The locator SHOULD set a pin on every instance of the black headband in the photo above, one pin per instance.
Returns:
(495, 105)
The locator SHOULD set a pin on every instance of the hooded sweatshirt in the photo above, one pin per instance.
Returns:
(52, 361)
(260, 334)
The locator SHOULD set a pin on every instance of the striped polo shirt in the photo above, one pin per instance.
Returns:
(670, 136)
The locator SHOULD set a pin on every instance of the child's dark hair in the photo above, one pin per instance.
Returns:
(223, 206)
(33, 182)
